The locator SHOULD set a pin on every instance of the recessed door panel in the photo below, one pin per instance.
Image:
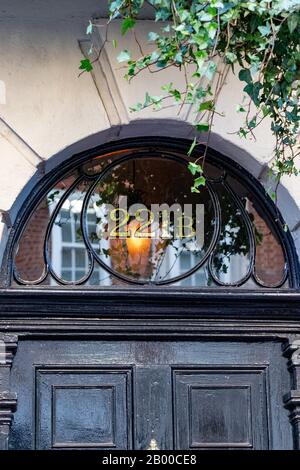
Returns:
(82, 408)
(221, 408)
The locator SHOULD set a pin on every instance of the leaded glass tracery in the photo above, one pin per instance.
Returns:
(70, 240)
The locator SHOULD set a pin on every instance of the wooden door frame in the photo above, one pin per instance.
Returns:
(149, 314)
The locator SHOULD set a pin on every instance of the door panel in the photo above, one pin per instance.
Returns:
(123, 394)
(81, 408)
(220, 408)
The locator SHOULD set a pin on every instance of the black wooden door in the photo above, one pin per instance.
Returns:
(127, 394)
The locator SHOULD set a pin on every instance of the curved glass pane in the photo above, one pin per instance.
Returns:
(148, 220)
(270, 268)
(29, 259)
(97, 165)
(130, 218)
(231, 260)
(270, 265)
(68, 258)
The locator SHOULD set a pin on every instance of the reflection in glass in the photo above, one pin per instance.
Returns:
(69, 259)
(130, 218)
(270, 265)
(142, 246)
(29, 257)
(231, 260)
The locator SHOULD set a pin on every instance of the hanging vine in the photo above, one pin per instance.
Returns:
(258, 40)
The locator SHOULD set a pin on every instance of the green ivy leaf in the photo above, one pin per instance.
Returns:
(203, 16)
(292, 22)
(240, 109)
(194, 190)
(127, 24)
(176, 94)
(193, 145)
(253, 90)
(179, 58)
(217, 4)
(231, 57)
(242, 132)
(106, 252)
(136, 107)
(148, 99)
(89, 29)
(85, 64)
(245, 76)
(200, 181)
(154, 56)
(200, 92)
(207, 105)
(194, 168)
(209, 70)
(202, 127)
(252, 123)
(161, 64)
(264, 30)
(168, 87)
(115, 5)
(124, 56)
(212, 29)
(152, 37)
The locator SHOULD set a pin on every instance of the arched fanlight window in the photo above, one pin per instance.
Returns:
(128, 217)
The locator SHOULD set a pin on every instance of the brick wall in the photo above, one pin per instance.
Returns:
(30, 260)
(269, 254)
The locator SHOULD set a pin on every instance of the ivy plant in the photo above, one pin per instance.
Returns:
(258, 40)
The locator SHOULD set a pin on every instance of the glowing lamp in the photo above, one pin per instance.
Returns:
(136, 245)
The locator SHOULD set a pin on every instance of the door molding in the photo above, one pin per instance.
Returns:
(150, 312)
(292, 399)
(8, 399)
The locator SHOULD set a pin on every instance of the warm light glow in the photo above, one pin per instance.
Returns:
(136, 245)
